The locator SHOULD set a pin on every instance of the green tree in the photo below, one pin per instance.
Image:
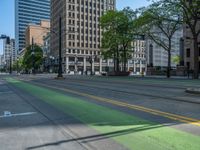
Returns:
(157, 21)
(110, 40)
(176, 59)
(18, 65)
(32, 57)
(190, 12)
(117, 36)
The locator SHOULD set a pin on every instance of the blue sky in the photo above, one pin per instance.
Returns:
(7, 21)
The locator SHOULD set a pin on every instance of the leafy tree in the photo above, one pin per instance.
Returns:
(110, 40)
(190, 10)
(36, 55)
(127, 33)
(18, 65)
(176, 59)
(160, 19)
(117, 36)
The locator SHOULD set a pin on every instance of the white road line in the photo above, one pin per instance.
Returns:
(8, 114)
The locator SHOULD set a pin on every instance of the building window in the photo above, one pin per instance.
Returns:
(188, 52)
(188, 65)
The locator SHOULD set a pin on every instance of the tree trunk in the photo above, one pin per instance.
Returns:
(169, 65)
(117, 65)
(114, 61)
(196, 58)
(124, 67)
(169, 60)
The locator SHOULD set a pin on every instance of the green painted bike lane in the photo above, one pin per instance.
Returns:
(130, 131)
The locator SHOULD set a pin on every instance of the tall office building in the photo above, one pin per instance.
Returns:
(13, 50)
(81, 32)
(26, 12)
(1, 61)
(138, 63)
(37, 32)
(7, 53)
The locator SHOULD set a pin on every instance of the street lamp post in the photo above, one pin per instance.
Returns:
(51, 63)
(17, 65)
(91, 62)
(33, 57)
(76, 64)
(60, 49)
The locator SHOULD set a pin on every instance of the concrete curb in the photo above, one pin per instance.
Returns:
(193, 90)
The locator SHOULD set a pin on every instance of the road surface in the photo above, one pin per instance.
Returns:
(98, 113)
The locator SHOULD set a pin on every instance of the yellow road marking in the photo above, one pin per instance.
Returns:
(132, 106)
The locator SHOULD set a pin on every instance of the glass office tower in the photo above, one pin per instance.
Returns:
(28, 12)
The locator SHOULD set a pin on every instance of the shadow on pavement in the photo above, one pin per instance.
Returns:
(97, 136)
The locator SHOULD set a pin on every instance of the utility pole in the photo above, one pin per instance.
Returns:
(91, 73)
(17, 65)
(10, 64)
(60, 49)
(91, 62)
(33, 57)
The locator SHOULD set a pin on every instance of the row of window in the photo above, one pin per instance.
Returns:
(86, 2)
(82, 23)
(72, 44)
(72, 37)
(86, 16)
(73, 51)
(87, 31)
(139, 56)
(94, 6)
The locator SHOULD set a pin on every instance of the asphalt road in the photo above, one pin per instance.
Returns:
(111, 113)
